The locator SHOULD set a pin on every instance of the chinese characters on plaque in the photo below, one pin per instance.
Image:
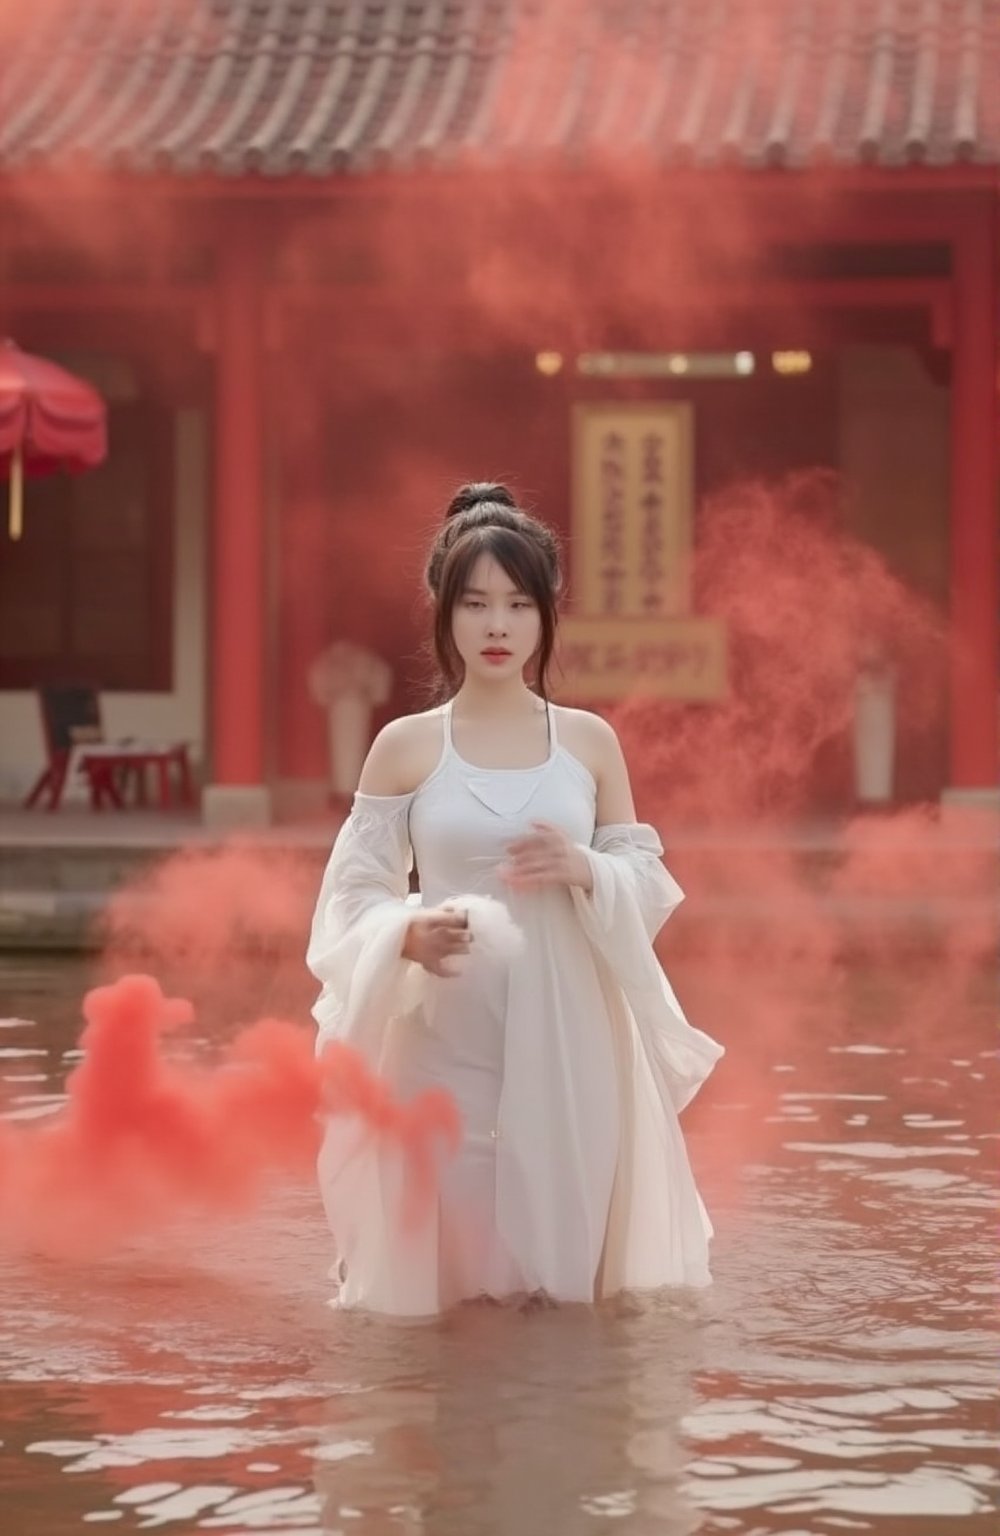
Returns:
(631, 630)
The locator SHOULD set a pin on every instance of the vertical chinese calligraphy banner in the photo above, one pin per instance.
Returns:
(633, 490)
(631, 631)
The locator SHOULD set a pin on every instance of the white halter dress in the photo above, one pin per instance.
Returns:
(524, 1205)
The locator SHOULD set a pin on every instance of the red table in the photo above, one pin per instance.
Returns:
(110, 770)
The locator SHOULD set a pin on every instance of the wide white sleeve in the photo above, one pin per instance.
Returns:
(355, 945)
(627, 864)
(633, 895)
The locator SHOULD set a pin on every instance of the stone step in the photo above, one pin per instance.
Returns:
(57, 877)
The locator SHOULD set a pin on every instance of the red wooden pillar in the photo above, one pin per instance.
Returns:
(238, 794)
(975, 510)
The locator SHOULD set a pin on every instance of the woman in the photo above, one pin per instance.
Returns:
(567, 1053)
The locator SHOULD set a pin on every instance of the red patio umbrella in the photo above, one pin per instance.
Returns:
(48, 420)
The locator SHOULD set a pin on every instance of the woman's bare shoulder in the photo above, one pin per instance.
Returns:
(404, 753)
(586, 734)
(594, 741)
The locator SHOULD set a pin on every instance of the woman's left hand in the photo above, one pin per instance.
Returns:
(545, 856)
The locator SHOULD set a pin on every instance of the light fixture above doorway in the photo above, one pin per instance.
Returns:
(666, 365)
(789, 363)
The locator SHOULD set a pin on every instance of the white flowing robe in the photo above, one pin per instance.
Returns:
(657, 1232)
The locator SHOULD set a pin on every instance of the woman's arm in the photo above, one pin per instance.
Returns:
(615, 805)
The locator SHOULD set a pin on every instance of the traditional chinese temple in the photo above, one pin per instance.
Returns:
(326, 260)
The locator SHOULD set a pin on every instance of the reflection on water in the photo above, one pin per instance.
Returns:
(840, 1376)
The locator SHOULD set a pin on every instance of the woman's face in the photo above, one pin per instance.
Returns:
(496, 628)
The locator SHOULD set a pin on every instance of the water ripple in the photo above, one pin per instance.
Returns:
(839, 1376)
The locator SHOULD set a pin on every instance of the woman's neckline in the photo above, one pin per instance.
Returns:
(479, 767)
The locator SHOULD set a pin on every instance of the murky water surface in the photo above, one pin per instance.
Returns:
(841, 1376)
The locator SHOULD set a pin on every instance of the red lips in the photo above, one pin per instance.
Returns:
(495, 652)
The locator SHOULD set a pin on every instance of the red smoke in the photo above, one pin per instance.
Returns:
(805, 604)
(144, 1140)
(203, 903)
(226, 924)
(786, 892)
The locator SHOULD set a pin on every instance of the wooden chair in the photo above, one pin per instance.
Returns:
(75, 740)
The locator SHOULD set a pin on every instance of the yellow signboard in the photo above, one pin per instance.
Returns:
(633, 486)
(603, 659)
(632, 631)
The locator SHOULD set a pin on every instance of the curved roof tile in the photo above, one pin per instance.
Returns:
(289, 87)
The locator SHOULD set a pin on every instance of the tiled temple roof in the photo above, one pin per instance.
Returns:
(314, 87)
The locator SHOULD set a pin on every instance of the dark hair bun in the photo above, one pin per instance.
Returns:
(476, 494)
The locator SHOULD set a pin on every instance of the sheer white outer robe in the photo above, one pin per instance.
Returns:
(595, 1045)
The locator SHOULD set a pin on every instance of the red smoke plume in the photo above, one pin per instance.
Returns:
(202, 917)
(144, 1140)
(805, 605)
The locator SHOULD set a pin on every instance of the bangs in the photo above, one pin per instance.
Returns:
(515, 558)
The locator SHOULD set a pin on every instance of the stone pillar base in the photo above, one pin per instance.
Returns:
(236, 807)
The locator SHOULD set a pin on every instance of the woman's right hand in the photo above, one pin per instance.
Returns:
(433, 936)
